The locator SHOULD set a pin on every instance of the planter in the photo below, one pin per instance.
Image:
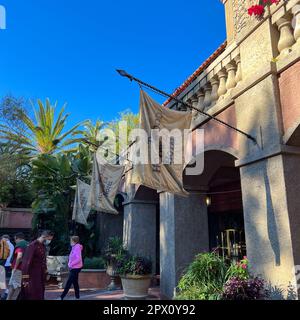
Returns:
(58, 268)
(111, 271)
(136, 287)
(93, 279)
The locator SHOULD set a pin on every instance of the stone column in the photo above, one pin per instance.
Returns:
(272, 222)
(139, 231)
(183, 234)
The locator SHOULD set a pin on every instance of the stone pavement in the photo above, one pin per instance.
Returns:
(53, 293)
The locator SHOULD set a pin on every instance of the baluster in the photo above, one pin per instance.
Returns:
(207, 97)
(286, 39)
(222, 85)
(194, 103)
(230, 68)
(238, 76)
(296, 13)
(214, 89)
(200, 96)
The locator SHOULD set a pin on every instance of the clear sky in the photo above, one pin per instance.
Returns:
(68, 50)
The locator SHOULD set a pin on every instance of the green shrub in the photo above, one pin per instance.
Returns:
(204, 278)
(94, 263)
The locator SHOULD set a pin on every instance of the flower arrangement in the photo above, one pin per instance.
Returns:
(259, 9)
(239, 270)
(245, 289)
(128, 264)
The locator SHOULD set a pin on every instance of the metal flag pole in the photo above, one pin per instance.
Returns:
(210, 117)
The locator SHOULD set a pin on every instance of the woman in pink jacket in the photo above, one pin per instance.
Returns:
(75, 265)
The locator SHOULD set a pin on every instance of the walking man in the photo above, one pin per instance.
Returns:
(34, 267)
(15, 282)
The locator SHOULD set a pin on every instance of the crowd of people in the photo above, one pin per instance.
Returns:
(23, 267)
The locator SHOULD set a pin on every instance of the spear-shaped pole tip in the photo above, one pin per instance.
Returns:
(123, 73)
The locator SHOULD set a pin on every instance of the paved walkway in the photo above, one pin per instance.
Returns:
(52, 293)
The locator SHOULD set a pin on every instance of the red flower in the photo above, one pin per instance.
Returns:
(256, 10)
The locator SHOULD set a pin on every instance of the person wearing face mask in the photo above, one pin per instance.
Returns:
(75, 265)
(34, 267)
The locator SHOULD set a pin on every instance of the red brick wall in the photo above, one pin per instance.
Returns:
(289, 84)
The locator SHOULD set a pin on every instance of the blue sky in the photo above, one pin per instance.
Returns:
(68, 50)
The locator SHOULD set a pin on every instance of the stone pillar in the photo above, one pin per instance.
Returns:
(183, 234)
(272, 222)
(139, 233)
(109, 225)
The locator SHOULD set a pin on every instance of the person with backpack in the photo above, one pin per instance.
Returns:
(4, 254)
(7, 265)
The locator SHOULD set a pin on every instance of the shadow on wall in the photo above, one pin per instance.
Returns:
(271, 221)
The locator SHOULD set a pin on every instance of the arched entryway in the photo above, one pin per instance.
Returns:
(221, 184)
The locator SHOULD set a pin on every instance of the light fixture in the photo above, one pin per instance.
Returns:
(208, 200)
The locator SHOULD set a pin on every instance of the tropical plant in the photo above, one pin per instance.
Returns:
(132, 122)
(113, 249)
(15, 186)
(54, 181)
(204, 278)
(89, 135)
(45, 133)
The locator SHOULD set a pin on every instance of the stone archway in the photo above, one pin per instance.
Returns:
(184, 222)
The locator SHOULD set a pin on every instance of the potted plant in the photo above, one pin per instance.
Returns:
(114, 248)
(136, 274)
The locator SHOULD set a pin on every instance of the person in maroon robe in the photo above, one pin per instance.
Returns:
(34, 268)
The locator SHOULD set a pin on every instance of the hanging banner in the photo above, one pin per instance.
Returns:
(81, 208)
(105, 183)
(163, 147)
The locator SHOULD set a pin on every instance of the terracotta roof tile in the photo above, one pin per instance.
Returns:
(191, 78)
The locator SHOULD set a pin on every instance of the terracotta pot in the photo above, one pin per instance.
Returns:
(136, 287)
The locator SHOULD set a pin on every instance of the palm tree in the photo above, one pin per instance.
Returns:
(45, 133)
(89, 135)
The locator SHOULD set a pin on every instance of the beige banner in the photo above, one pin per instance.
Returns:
(163, 177)
(81, 208)
(105, 183)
